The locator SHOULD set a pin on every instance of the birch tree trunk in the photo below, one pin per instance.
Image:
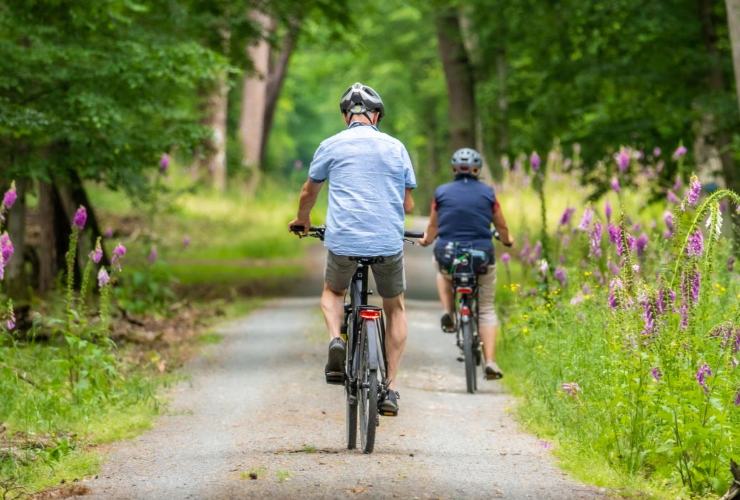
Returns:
(733, 22)
(217, 104)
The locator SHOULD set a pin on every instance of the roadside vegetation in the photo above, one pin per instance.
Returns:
(622, 330)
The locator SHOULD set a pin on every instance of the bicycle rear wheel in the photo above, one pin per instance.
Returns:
(367, 385)
(467, 331)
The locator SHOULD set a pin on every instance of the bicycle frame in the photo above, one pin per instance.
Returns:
(353, 319)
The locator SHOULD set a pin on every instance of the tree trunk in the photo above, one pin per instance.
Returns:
(716, 81)
(254, 96)
(733, 22)
(216, 107)
(275, 80)
(48, 207)
(459, 77)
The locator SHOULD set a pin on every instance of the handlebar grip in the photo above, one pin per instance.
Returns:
(412, 234)
(298, 228)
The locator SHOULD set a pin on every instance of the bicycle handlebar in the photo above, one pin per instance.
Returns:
(318, 232)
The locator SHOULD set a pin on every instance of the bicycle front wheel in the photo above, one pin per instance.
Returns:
(467, 332)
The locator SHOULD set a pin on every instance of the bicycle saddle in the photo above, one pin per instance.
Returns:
(368, 260)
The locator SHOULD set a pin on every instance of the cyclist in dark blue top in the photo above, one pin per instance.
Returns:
(462, 212)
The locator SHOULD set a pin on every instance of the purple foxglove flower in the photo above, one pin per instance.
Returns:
(97, 253)
(561, 275)
(164, 163)
(613, 268)
(679, 152)
(6, 247)
(567, 215)
(119, 251)
(10, 196)
(695, 286)
(648, 317)
(668, 219)
(543, 266)
(641, 244)
(535, 161)
(656, 373)
(595, 240)
(614, 285)
(695, 246)
(108, 232)
(571, 388)
(702, 373)
(657, 151)
(623, 160)
(694, 191)
(684, 313)
(103, 277)
(615, 184)
(152, 257)
(10, 323)
(588, 216)
(608, 211)
(677, 184)
(631, 242)
(80, 218)
(737, 398)
(525, 251)
(536, 251)
(586, 289)
(186, 241)
(672, 198)
(505, 258)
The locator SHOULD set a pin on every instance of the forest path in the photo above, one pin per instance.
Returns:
(256, 404)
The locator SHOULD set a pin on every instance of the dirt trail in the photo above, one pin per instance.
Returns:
(256, 405)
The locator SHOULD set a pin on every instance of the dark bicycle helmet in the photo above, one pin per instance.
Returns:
(466, 161)
(360, 99)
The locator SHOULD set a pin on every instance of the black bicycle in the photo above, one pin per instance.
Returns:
(365, 379)
(466, 263)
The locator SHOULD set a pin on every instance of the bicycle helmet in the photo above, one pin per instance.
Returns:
(359, 99)
(466, 161)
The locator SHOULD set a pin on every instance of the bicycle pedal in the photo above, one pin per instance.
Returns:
(334, 378)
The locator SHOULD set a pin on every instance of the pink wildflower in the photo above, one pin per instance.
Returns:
(80, 218)
(10, 196)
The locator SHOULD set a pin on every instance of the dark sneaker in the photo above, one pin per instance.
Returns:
(335, 366)
(448, 323)
(493, 372)
(389, 404)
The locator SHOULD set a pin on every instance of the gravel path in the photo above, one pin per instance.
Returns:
(256, 406)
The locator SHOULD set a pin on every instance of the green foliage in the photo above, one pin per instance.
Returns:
(102, 88)
(616, 366)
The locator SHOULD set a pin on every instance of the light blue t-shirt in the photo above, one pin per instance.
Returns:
(368, 173)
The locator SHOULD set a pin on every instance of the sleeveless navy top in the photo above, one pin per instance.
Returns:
(465, 212)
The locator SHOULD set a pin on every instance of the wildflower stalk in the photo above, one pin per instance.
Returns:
(104, 310)
(70, 259)
(700, 212)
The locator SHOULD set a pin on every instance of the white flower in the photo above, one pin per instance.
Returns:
(543, 266)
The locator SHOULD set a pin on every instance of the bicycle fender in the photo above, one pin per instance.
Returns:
(373, 349)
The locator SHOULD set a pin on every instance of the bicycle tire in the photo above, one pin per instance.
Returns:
(467, 333)
(350, 421)
(351, 424)
(367, 395)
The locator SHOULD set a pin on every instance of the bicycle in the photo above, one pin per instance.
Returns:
(465, 263)
(363, 330)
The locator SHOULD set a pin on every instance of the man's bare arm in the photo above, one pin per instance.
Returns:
(309, 194)
(432, 228)
(500, 224)
(408, 202)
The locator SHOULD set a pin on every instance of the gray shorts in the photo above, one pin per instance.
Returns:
(389, 275)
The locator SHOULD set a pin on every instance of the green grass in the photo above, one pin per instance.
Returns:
(230, 274)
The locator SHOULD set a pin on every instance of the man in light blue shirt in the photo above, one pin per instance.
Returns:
(370, 181)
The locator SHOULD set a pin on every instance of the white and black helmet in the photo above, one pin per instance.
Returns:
(466, 161)
(360, 99)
